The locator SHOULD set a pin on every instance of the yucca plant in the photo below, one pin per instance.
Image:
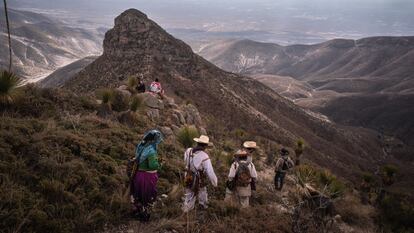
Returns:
(132, 82)
(324, 181)
(106, 96)
(300, 146)
(9, 84)
(136, 103)
(186, 135)
(388, 173)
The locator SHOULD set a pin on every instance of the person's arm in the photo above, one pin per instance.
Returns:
(210, 172)
(278, 163)
(232, 172)
(253, 172)
(291, 162)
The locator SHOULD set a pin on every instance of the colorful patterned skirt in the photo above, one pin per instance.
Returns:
(144, 189)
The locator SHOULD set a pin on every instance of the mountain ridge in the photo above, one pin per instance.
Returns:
(138, 46)
(40, 44)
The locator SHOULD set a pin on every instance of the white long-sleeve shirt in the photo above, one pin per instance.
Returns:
(201, 162)
(235, 165)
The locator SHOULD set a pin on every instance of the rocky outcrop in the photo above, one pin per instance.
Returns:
(151, 100)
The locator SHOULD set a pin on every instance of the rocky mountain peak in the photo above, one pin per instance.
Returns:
(136, 36)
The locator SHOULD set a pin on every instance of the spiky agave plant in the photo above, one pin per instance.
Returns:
(106, 96)
(9, 84)
(132, 83)
(136, 103)
(186, 135)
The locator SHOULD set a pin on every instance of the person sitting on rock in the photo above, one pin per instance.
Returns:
(241, 180)
(198, 168)
(283, 165)
(156, 88)
(144, 177)
(141, 86)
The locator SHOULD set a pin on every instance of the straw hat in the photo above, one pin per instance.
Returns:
(203, 139)
(240, 153)
(250, 145)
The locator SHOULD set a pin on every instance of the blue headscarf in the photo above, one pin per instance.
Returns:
(148, 145)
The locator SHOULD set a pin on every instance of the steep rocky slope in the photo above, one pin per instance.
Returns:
(138, 46)
(41, 44)
(62, 75)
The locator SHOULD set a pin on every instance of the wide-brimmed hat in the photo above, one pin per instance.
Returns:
(250, 145)
(203, 139)
(240, 153)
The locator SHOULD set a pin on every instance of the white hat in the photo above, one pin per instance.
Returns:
(202, 139)
(250, 144)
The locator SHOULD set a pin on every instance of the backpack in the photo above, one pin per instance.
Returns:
(243, 177)
(193, 180)
(286, 165)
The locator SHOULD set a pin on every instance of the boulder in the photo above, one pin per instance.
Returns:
(178, 117)
(192, 115)
(175, 129)
(123, 89)
(167, 131)
(202, 131)
(153, 114)
(151, 101)
(170, 102)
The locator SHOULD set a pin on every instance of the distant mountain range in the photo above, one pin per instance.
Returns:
(367, 82)
(41, 44)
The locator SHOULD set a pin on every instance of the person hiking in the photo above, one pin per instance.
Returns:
(283, 164)
(144, 176)
(140, 88)
(156, 88)
(198, 166)
(250, 147)
(241, 180)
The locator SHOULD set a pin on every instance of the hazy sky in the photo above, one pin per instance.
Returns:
(307, 19)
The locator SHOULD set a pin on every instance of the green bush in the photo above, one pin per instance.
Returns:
(321, 179)
(397, 213)
(136, 103)
(106, 95)
(120, 102)
(186, 135)
(132, 82)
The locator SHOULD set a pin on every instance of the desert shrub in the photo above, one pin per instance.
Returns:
(368, 177)
(62, 180)
(120, 101)
(186, 135)
(353, 212)
(106, 95)
(322, 179)
(388, 173)
(135, 104)
(397, 213)
(132, 82)
(9, 83)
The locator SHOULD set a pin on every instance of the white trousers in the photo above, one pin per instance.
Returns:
(240, 196)
(190, 199)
